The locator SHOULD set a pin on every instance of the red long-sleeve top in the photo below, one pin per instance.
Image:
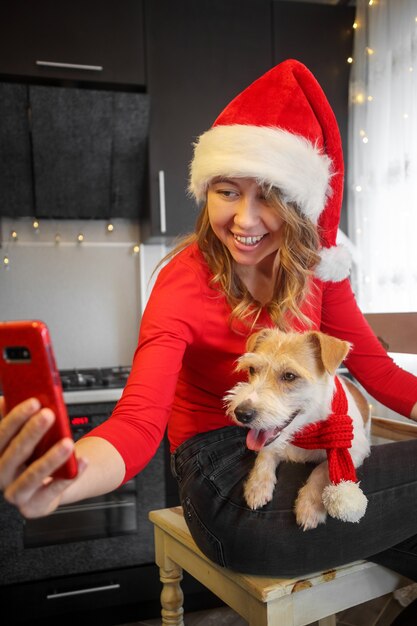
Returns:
(187, 351)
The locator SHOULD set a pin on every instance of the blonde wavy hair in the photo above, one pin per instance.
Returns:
(298, 255)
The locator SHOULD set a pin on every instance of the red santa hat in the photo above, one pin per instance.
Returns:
(281, 130)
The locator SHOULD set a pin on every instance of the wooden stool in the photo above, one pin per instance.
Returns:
(261, 601)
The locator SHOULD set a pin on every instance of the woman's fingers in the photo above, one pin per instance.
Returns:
(18, 439)
(27, 481)
(11, 423)
(30, 487)
(34, 500)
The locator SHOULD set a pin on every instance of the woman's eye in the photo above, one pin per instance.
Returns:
(227, 193)
(288, 377)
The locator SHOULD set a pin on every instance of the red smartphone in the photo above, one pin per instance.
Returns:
(28, 369)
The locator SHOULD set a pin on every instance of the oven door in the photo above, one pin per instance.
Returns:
(111, 515)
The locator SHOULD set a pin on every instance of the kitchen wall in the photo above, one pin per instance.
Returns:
(88, 293)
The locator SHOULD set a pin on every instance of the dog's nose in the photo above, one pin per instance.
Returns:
(245, 413)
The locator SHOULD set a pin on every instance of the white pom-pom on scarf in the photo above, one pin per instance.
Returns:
(345, 501)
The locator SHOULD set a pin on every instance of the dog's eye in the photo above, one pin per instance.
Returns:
(252, 371)
(288, 377)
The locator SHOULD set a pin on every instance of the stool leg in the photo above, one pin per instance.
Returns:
(330, 620)
(172, 597)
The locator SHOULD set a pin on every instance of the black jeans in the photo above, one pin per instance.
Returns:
(211, 468)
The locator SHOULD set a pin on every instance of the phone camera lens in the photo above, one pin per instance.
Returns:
(17, 353)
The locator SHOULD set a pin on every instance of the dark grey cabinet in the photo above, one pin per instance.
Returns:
(98, 40)
(16, 189)
(79, 153)
(200, 54)
(89, 151)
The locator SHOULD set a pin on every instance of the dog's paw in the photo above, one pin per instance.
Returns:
(258, 494)
(309, 509)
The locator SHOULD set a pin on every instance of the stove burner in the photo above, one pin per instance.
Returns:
(108, 377)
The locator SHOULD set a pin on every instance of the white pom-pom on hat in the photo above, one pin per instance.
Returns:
(335, 263)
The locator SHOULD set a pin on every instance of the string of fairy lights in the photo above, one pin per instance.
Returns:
(81, 239)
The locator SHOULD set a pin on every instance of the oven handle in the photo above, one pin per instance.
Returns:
(78, 592)
(93, 506)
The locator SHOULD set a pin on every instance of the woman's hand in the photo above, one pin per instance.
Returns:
(30, 487)
(413, 413)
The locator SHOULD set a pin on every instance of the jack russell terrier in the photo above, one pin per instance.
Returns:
(297, 409)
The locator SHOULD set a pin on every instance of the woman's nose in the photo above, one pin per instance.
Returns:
(247, 213)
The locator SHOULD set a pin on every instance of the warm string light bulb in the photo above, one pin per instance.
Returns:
(136, 249)
(13, 235)
(6, 262)
(35, 225)
(110, 227)
(58, 238)
(80, 238)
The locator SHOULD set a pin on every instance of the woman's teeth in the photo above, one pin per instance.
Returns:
(249, 241)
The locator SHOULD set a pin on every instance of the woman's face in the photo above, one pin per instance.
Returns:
(243, 220)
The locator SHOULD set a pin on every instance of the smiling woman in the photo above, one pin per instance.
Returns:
(249, 224)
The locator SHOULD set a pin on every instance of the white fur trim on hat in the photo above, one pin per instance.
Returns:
(334, 264)
(345, 501)
(270, 155)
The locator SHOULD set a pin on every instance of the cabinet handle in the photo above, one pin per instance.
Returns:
(162, 209)
(78, 592)
(71, 66)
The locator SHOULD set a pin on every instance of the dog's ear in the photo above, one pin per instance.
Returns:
(256, 339)
(332, 350)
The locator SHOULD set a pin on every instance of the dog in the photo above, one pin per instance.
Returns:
(286, 404)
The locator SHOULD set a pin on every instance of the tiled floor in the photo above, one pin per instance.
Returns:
(379, 612)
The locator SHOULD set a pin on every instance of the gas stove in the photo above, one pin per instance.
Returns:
(93, 385)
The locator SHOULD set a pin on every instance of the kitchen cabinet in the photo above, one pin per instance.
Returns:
(83, 154)
(199, 56)
(321, 36)
(15, 164)
(100, 41)
(89, 150)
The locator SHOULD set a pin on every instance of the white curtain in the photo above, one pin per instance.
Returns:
(382, 164)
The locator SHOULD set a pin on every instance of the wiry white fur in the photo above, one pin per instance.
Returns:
(271, 155)
(334, 264)
(314, 399)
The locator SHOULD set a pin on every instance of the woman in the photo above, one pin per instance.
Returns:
(270, 175)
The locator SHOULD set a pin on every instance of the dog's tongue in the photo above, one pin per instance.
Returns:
(257, 439)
